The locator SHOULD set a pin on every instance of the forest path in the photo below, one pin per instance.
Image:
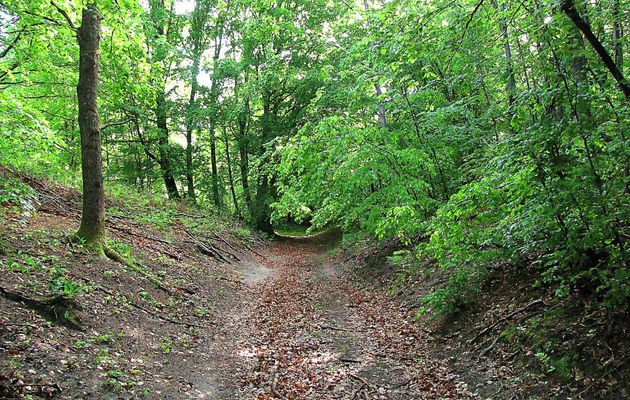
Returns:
(300, 330)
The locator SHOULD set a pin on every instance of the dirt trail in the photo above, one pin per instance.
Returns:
(285, 325)
(300, 330)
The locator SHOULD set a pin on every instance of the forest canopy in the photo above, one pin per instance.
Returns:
(472, 133)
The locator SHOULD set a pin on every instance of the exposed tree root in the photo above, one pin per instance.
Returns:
(210, 250)
(115, 256)
(151, 313)
(58, 309)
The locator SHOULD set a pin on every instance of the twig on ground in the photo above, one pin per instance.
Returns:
(17, 385)
(205, 248)
(399, 385)
(487, 349)
(25, 325)
(58, 308)
(219, 238)
(274, 390)
(357, 391)
(501, 320)
(138, 267)
(360, 379)
(589, 387)
(167, 319)
(334, 328)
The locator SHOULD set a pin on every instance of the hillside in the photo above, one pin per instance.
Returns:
(128, 332)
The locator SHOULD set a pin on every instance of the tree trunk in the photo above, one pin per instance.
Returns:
(618, 15)
(190, 180)
(264, 193)
(244, 163)
(230, 177)
(161, 115)
(197, 32)
(382, 116)
(164, 161)
(509, 69)
(214, 95)
(92, 228)
(241, 141)
(215, 173)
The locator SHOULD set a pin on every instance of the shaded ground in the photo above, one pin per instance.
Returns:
(517, 340)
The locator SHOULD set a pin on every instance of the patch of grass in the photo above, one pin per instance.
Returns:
(333, 251)
(118, 380)
(559, 366)
(24, 344)
(124, 249)
(242, 232)
(291, 229)
(201, 312)
(23, 263)
(106, 338)
(102, 357)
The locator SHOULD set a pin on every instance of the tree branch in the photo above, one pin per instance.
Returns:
(9, 70)
(65, 15)
(112, 124)
(568, 7)
(473, 13)
(144, 144)
(9, 47)
(45, 18)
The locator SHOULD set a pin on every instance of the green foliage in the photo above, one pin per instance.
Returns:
(166, 345)
(536, 180)
(557, 366)
(60, 283)
(16, 197)
(124, 249)
(13, 191)
(24, 263)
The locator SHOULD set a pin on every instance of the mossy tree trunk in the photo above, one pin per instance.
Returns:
(92, 228)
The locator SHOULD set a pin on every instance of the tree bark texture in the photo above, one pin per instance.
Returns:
(92, 227)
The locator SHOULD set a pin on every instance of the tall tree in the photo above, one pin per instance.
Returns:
(382, 116)
(509, 69)
(197, 34)
(215, 90)
(92, 227)
(159, 16)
